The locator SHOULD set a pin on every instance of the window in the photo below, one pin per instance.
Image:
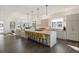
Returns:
(57, 23)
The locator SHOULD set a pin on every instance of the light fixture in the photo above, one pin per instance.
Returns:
(32, 14)
(28, 16)
(37, 13)
(46, 10)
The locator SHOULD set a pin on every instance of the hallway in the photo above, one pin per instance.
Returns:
(12, 44)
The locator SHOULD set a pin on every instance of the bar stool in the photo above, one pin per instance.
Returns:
(26, 34)
(29, 34)
(43, 38)
(33, 35)
(38, 37)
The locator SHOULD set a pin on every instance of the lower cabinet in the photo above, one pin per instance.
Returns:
(68, 36)
(62, 35)
(73, 36)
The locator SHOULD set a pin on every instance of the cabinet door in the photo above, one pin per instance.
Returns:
(61, 34)
(73, 27)
(69, 28)
(76, 36)
(70, 36)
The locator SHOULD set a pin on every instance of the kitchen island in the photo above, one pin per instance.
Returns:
(50, 36)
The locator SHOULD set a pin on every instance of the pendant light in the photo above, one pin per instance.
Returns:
(46, 9)
(32, 15)
(33, 21)
(28, 18)
(37, 13)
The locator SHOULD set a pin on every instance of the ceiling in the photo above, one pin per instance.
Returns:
(27, 9)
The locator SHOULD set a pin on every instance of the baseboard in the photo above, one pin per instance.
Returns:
(68, 40)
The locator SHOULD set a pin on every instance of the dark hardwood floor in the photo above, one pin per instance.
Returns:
(13, 44)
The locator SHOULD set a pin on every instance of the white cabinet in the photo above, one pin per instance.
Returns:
(53, 36)
(62, 34)
(72, 26)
